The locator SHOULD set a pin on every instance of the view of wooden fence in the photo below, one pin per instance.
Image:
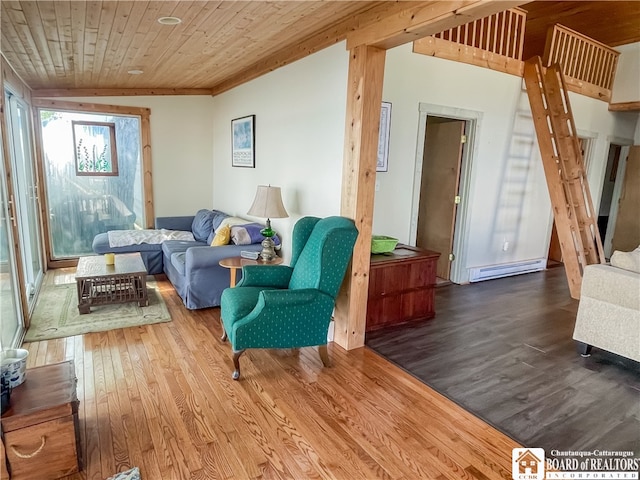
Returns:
(589, 66)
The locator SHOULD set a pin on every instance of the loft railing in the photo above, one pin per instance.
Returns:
(493, 42)
(589, 66)
(501, 33)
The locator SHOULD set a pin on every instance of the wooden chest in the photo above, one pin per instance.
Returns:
(41, 427)
(401, 287)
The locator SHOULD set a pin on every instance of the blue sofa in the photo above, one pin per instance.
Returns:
(191, 266)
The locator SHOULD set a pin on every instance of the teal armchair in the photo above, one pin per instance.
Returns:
(279, 306)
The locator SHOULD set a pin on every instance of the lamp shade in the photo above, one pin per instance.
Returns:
(268, 203)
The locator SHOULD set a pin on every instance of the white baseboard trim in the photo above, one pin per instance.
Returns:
(489, 272)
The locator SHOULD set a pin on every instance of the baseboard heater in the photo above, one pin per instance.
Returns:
(477, 274)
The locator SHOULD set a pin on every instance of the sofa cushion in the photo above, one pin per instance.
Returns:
(178, 261)
(178, 246)
(218, 217)
(627, 260)
(202, 225)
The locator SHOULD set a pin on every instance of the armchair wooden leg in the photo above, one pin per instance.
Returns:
(236, 364)
(324, 355)
(224, 332)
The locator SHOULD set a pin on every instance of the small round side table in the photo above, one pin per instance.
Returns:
(236, 263)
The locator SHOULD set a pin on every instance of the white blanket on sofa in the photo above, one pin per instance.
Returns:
(123, 238)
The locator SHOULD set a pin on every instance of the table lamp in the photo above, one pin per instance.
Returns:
(268, 204)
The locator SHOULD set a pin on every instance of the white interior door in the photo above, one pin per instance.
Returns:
(26, 198)
(11, 324)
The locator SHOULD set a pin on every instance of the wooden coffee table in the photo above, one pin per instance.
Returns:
(101, 284)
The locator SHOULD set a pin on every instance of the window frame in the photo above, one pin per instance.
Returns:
(81, 107)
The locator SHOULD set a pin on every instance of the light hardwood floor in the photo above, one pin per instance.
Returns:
(161, 397)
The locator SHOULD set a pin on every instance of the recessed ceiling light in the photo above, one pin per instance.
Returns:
(135, 72)
(169, 20)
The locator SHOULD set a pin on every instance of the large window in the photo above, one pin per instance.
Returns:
(94, 175)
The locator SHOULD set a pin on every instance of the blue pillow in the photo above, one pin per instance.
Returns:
(249, 233)
(218, 216)
(202, 225)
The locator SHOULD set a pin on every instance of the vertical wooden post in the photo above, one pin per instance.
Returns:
(364, 97)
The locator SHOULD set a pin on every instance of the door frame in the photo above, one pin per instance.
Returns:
(625, 143)
(27, 306)
(14, 272)
(459, 272)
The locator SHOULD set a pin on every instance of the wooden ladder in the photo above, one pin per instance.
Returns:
(575, 219)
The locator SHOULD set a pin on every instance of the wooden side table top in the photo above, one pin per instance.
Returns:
(48, 392)
(236, 263)
(239, 262)
(125, 264)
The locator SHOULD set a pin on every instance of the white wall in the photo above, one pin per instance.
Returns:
(181, 150)
(626, 84)
(300, 113)
(411, 79)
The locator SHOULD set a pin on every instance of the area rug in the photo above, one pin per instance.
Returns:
(56, 314)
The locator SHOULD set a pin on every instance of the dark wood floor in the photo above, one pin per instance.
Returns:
(503, 350)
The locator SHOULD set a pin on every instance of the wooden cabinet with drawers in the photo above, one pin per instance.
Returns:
(40, 429)
(401, 287)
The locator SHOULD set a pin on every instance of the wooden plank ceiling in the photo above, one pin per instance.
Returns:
(78, 44)
(71, 45)
(610, 22)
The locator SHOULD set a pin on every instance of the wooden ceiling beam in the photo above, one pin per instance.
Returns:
(117, 92)
(423, 19)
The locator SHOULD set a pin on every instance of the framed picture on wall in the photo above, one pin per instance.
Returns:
(383, 138)
(243, 142)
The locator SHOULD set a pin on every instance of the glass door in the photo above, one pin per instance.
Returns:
(11, 326)
(26, 196)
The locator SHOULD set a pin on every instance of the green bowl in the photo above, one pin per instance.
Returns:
(382, 244)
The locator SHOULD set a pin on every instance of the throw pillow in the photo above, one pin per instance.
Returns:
(202, 225)
(626, 260)
(249, 233)
(222, 236)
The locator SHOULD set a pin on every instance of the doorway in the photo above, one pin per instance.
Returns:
(610, 199)
(456, 119)
(11, 326)
(26, 199)
(439, 195)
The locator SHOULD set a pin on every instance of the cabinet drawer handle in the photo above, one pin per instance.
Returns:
(43, 440)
